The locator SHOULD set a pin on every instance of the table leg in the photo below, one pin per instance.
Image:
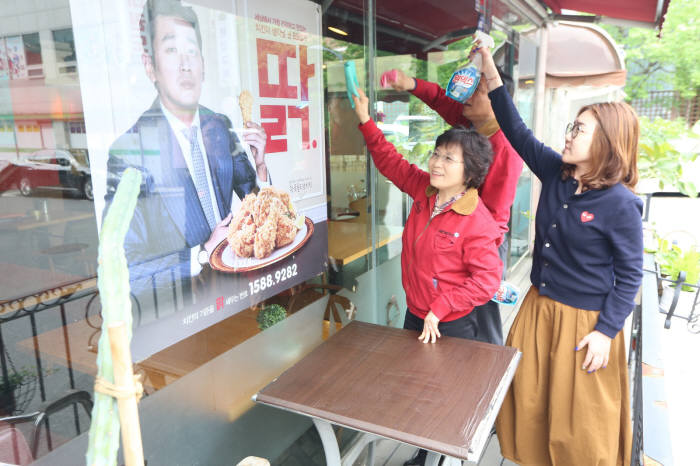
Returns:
(433, 459)
(357, 446)
(330, 443)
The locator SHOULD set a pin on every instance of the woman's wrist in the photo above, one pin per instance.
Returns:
(493, 82)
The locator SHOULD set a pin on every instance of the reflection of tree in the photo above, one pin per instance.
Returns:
(422, 132)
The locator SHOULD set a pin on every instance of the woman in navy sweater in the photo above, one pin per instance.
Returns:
(569, 401)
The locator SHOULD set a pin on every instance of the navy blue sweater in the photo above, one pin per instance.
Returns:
(588, 246)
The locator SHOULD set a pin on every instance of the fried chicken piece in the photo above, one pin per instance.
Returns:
(281, 195)
(271, 191)
(284, 197)
(241, 215)
(265, 236)
(267, 204)
(286, 229)
(245, 101)
(261, 208)
(248, 202)
(242, 241)
(262, 223)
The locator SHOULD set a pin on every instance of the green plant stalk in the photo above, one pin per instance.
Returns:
(113, 283)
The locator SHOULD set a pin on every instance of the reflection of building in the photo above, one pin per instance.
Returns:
(40, 105)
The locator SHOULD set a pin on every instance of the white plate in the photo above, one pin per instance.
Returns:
(230, 259)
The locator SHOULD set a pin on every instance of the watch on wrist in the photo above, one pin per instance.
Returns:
(202, 256)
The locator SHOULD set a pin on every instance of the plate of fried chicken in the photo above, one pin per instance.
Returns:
(264, 230)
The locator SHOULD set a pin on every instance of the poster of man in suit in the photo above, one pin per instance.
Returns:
(226, 131)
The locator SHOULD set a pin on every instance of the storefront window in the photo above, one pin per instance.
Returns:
(65, 50)
(88, 89)
(522, 214)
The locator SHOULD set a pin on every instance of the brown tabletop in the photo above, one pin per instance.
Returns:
(383, 381)
(348, 241)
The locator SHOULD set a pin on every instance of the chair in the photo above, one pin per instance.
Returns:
(332, 321)
(13, 445)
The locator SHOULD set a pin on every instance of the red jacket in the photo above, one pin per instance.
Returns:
(498, 189)
(448, 264)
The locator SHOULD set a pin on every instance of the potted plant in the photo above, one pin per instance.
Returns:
(16, 391)
(269, 315)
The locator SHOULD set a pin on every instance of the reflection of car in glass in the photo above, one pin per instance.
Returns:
(52, 169)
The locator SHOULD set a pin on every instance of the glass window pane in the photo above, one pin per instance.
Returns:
(64, 46)
(349, 225)
(32, 48)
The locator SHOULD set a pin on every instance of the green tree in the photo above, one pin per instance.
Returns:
(658, 157)
(670, 61)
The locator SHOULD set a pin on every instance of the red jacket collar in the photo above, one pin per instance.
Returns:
(465, 205)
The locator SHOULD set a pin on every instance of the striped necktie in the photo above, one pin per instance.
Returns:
(200, 176)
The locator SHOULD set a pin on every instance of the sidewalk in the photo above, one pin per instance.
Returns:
(681, 348)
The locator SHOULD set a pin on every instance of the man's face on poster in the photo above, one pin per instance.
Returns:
(177, 68)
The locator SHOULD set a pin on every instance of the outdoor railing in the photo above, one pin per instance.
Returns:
(668, 105)
(18, 386)
(23, 321)
(652, 439)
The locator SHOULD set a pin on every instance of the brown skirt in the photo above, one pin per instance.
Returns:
(555, 413)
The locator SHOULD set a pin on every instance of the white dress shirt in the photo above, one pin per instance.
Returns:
(179, 128)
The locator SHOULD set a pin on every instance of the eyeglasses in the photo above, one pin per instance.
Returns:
(573, 128)
(445, 158)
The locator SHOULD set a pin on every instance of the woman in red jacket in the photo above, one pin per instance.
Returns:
(449, 258)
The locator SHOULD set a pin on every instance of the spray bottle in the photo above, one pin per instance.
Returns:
(465, 80)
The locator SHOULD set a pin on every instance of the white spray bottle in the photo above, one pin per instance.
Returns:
(465, 80)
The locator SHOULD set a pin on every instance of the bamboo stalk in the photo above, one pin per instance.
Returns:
(128, 407)
(113, 282)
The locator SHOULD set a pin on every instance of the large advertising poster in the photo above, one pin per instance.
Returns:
(219, 105)
(4, 63)
(17, 61)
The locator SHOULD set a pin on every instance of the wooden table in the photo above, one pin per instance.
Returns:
(383, 382)
(348, 241)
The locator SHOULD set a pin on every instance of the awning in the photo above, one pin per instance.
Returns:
(597, 62)
(427, 25)
(644, 11)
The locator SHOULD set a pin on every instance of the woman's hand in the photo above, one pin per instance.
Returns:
(430, 329)
(488, 67)
(398, 80)
(598, 351)
(361, 106)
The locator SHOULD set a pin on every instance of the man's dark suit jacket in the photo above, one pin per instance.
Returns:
(169, 219)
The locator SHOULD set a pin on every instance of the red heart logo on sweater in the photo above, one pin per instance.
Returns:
(586, 216)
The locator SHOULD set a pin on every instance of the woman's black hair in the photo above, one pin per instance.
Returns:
(476, 150)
